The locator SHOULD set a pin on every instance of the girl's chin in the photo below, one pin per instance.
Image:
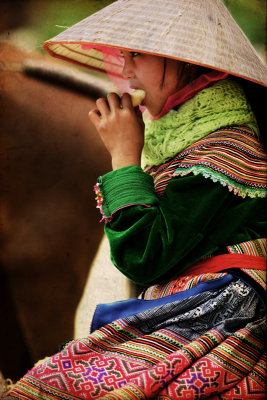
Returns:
(153, 109)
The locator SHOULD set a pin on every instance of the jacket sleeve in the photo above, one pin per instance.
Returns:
(151, 237)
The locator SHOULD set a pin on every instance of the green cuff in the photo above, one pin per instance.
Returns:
(122, 188)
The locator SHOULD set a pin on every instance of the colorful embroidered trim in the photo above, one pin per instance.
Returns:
(162, 175)
(257, 247)
(177, 285)
(232, 157)
(99, 203)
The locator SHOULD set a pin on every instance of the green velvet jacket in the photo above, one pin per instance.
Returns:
(153, 238)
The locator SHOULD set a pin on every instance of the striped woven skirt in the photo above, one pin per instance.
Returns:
(200, 337)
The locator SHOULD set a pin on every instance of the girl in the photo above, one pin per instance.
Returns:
(184, 214)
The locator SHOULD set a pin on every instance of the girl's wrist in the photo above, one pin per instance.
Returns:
(126, 161)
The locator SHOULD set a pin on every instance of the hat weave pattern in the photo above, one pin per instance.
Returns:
(199, 32)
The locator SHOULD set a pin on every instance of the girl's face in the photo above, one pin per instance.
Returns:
(160, 77)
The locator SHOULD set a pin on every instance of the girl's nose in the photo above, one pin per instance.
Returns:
(127, 71)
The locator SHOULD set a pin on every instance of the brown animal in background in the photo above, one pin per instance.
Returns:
(51, 156)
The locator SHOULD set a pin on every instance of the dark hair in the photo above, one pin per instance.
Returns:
(164, 71)
(255, 94)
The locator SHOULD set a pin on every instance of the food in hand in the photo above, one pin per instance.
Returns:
(137, 96)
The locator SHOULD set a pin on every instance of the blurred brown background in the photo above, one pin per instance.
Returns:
(50, 157)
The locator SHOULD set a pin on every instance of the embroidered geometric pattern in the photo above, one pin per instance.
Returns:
(203, 368)
(231, 156)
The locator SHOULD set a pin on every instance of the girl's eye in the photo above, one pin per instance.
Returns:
(134, 54)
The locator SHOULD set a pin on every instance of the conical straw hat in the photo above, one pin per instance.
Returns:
(200, 32)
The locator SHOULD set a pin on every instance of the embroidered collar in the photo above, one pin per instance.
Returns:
(221, 105)
(190, 90)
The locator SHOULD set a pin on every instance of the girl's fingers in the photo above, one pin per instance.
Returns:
(114, 101)
(94, 116)
(126, 101)
(103, 106)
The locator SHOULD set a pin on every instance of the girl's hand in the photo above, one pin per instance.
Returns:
(121, 128)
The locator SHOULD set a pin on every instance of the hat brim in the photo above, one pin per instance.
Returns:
(199, 32)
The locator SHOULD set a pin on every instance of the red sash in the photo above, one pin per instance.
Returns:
(226, 261)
